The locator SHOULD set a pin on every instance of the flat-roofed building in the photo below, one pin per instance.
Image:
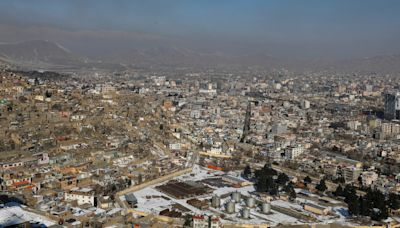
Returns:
(317, 209)
(81, 195)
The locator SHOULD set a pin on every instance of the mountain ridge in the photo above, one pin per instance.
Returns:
(44, 53)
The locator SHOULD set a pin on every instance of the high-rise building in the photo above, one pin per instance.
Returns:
(305, 104)
(351, 173)
(392, 106)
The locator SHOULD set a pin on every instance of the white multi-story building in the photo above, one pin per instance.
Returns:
(354, 125)
(81, 195)
(390, 129)
(214, 222)
(107, 88)
(351, 173)
(293, 152)
(205, 222)
(43, 158)
(208, 91)
(305, 104)
(200, 222)
(175, 146)
(195, 114)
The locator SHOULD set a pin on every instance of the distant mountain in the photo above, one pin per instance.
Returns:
(183, 57)
(180, 57)
(3, 61)
(46, 55)
(377, 64)
(39, 54)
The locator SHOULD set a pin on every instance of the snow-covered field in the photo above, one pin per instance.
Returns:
(151, 200)
(15, 215)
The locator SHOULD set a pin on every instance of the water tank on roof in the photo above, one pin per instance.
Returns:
(266, 208)
(250, 202)
(236, 196)
(230, 207)
(246, 213)
(216, 201)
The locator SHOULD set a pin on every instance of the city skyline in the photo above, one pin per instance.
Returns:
(200, 114)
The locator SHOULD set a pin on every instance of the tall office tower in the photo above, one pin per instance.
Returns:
(392, 106)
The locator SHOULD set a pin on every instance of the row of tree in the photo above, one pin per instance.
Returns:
(270, 181)
(373, 204)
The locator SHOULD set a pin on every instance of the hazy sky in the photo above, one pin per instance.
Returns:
(310, 28)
